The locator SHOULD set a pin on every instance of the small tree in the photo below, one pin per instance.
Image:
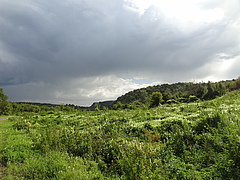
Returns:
(167, 95)
(210, 91)
(201, 91)
(220, 89)
(4, 106)
(97, 106)
(156, 99)
(238, 83)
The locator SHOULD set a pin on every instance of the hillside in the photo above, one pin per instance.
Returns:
(197, 140)
(171, 93)
(180, 92)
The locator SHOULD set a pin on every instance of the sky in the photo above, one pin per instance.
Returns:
(84, 51)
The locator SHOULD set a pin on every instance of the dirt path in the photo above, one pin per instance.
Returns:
(1, 118)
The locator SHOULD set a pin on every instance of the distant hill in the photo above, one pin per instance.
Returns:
(180, 92)
(36, 106)
(171, 93)
(101, 104)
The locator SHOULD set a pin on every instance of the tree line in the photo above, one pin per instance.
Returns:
(147, 97)
(173, 93)
(9, 108)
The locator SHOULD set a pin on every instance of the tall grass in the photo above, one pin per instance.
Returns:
(183, 141)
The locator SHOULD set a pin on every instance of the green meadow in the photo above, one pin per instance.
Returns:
(198, 140)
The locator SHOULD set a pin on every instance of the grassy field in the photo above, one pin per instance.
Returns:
(199, 140)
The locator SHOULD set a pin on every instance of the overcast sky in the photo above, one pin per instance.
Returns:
(82, 51)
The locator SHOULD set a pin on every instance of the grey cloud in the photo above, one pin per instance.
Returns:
(54, 41)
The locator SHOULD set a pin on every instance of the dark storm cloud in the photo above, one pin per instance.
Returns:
(52, 42)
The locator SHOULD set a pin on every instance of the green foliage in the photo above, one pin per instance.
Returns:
(167, 95)
(197, 140)
(24, 107)
(179, 92)
(192, 98)
(237, 82)
(56, 165)
(156, 99)
(4, 106)
(201, 91)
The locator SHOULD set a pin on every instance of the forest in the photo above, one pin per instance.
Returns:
(170, 131)
(178, 92)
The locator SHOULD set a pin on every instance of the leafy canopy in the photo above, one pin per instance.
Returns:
(3, 102)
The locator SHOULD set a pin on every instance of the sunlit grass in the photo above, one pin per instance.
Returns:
(197, 140)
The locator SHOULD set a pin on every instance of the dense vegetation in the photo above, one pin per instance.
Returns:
(169, 93)
(4, 105)
(196, 140)
(177, 92)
